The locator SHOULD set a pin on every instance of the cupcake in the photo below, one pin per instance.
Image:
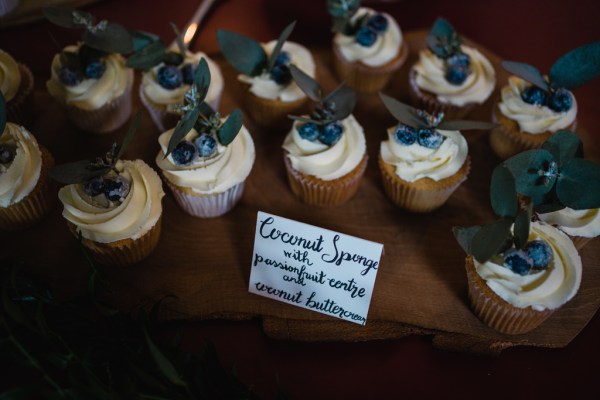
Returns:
(325, 152)
(16, 84)
(450, 77)
(421, 163)
(206, 159)
(581, 225)
(90, 79)
(268, 91)
(368, 46)
(532, 106)
(25, 190)
(114, 205)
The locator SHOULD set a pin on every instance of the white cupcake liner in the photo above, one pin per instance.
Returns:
(207, 205)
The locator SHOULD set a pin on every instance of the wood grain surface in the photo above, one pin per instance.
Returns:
(201, 268)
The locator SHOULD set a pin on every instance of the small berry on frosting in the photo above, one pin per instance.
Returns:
(187, 71)
(561, 100)
(378, 23)
(309, 131)
(94, 186)
(116, 189)
(70, 76)
(281, 74)
(459, 59)
(429, 138)
(7, 154)
(184, 153)
(206, 145)
(95, 69)
(518, 261)
(169, 77)
(283, 58)
(405, 135)
(534, 95)
(331, 133)
(366, 36)
(540, 253)
(457, 74)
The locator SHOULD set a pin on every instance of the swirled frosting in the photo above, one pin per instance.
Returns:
(168, 97)
(19, 177)
(10, 76)
(584, 223)
(414, 162)
(91, 94)
(230, 166)
(129, 219)
(323, 161)
(532, 118)
(263, 86)
(386, 47)
(479, 85)
(546, 289)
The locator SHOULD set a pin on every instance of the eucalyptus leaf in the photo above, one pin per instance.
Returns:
(521, 228)
(577, 67)
(162, 362)
(442, 38)
(244, 54)
(402, 112)
(185, 124)
(490, 239)
(75, 172)
(464, 236)
(528, 72)
(280, 41)
(179, 40)
(441, 28)
(304, 119)
(231, 127)
(306, 83)
(464, 125)
(503, 192)
(534, 172)
(65, 17)
(547, 203)
(564, 146)
(578, 185)
(112, 39)
(2, 113)
(202, 78)
(130, 134)
(342, 101)
(206, 109)
(142, 39)
(147, 57)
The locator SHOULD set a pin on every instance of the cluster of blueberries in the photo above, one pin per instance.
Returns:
(328, 134)
(185, 152)
(280, 72)
(559, 100)
(536, 255)
(376, 25)
(7, 154)
(171, 75)
(457, 68)
(407, 135)
(90, 66)
(114, 189)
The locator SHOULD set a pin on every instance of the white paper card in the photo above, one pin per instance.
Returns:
(313, 268)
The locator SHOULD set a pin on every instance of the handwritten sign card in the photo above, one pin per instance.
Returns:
(314, 268)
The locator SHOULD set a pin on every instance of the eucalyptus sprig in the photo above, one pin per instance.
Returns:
(247, 55)
(85, 170)
(151, 50)
(443, 40)
(342, 12)
(336, 106)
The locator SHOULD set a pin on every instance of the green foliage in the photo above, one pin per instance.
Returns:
(231, 127)
(179, 40)
(527, 72)
(503, 193)
(484, 241)
(521, 227)
(148, 56)
(280, 41)
(564, 146)
(183, 127)
(244, 54)
(342, 12)
(306, 83)
(535, 172)
(577, 67)
(578, 185)
(443, 40)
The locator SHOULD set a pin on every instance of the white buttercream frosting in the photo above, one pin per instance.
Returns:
(479, 85)
(169, 97)
(584, 223)
(263, 86)
(386, 47)
(19, 177)
(91, 94)
(230, 166)
(323, 161)
(10, 76)
(530, 117)
(547, 289)
(414, 162)
(128, 219)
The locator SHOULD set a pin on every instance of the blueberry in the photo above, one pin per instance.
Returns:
(283, 58)
(429, 138)
(116, 189)
(6, 154)
(95, 69)
(309, 131)
(561, 100)
(169, 77)
(456, 74)
(206, 145)
(366, 36)
(187, 71)
(518, 261)
(331, 133)
(534, 95)
(70, 76)
(281, 74)
(459, 60)
(172, 58)
(183, 153)
(405, 135)
(94, 186)
(378, 23)
(540, 253)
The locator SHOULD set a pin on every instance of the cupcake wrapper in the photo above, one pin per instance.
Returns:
(20, 108)
(364, 78)
(497, 313)
(36, 205)
(107, 118)
(272, 114)
(122, 252)
(207, 205)
(316, 192)
(423, 195)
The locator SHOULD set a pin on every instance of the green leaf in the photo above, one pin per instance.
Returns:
(185, 124)
(527, 72)
(464, 236)
(490, 239)
(280, 41)
(162, 362)
(130, 134)
(142, 39)
(244, 54)
(464, 125)
(344, 9)
(2, 113)
(306, 83)
(442, 28)
(64, 17)
(202, 78)
(577, 67)
(442, 38)
(206, 109)
(75, 172)
(342, 101)
(179, 39)
(503, 192)
(402, 112)
(578, 185)
(564, 146)
(147, 57)
(521, 229)
(112, 39)
(535, 172)
(231, 127)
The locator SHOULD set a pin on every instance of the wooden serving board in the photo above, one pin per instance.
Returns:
(205, 263)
